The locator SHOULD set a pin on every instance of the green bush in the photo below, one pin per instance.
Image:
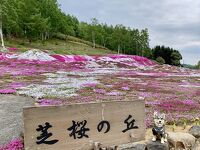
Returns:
(160, 60)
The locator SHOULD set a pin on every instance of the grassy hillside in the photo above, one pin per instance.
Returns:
(69, 46)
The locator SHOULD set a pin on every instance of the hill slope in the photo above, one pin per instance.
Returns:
(71, 46)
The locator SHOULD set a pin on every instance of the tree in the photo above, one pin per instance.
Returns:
(94, 25)
(43, 19)
(175, 58)
(10, 15)
(144, 39)
(1, 31)
(1, 28)
(198, 65)
(171, 56)
(32, 22)
(136, 44)
(117, 37)
(148, 53)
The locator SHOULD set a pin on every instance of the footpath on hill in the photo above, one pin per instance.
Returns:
(11, 123)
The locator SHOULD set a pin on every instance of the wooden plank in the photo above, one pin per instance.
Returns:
(61, 117)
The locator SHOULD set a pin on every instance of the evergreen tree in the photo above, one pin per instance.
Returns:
(171, 56)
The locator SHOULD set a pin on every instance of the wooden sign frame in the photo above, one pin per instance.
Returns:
(118, 116)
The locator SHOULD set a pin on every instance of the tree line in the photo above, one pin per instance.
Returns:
(166, 55)
(197, 66)
(43, 19)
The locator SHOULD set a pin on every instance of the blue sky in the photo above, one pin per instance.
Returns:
(174, 23)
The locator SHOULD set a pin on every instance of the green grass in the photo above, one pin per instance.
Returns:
(70, 47)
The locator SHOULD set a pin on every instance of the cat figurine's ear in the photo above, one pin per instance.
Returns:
(155, 114)
(163, 116)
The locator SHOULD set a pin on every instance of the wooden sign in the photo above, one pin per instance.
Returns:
(72, 127)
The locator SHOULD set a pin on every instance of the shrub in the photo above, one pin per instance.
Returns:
(160, 60)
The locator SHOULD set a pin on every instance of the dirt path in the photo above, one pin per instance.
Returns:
(11, 124)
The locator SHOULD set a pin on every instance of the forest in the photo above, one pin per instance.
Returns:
(44, 19)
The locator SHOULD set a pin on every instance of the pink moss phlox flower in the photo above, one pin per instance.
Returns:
(48, 102)
(69, 58)
(125, 88)
(138, 59)
(7, 91)
(145, 94)
(89, 85)
(79, 58)
(16, 85)
(114, 93)
(143, 60)
(2, 56)
(178, 105)
(12, 49)
(190, 102)
(152, 103)
(100, 91)
(59, 57)
(15, 144)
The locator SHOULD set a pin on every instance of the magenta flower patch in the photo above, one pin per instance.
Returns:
(100, 91)
(2, 56)
(170, 89)
(12, 49)
(125, 88)
(7, 91)
(48, 102)
(16, 85)
(15, 144)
